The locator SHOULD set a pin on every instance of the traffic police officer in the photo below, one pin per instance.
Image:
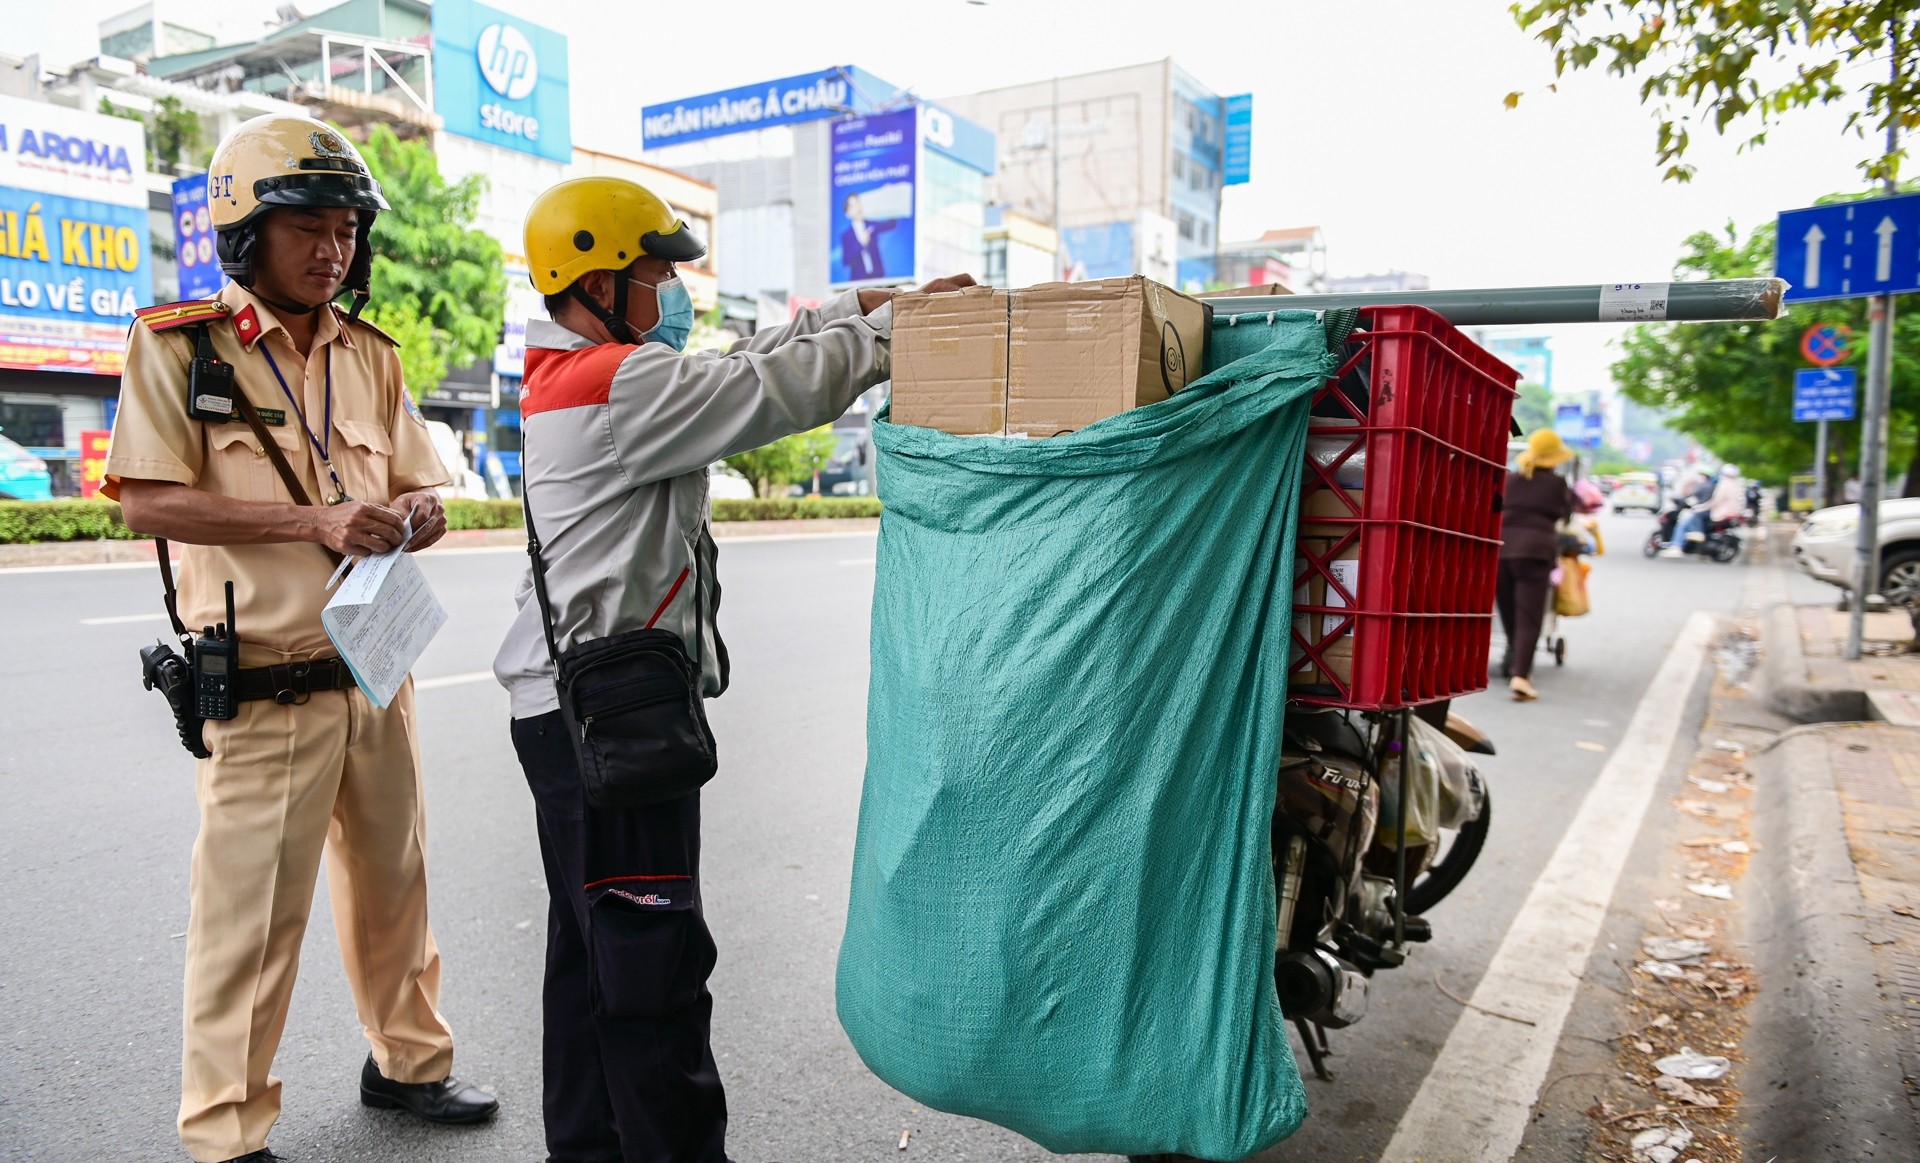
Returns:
(308, 762)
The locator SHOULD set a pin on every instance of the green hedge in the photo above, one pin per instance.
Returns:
(28, 521)
(483, 514)
(795, 508)
(25, 522)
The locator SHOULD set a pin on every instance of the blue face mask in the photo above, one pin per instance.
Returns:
(676, 314)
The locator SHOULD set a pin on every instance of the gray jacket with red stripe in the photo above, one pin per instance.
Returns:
(616, 445)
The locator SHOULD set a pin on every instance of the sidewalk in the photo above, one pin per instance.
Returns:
(1850, 891)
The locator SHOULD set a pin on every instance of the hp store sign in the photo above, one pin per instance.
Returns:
(501, 80)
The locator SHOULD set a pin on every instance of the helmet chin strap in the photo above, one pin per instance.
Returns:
(286, 308)
(615, 320)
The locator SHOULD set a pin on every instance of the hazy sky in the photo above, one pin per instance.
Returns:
(1379, 120)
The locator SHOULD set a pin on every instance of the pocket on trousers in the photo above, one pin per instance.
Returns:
(648, 950)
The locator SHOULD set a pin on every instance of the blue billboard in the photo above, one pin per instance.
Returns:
(501, 80)
(787, 101)
(1099, 252)
(194, 245)
(1237, 169)
(874, 164)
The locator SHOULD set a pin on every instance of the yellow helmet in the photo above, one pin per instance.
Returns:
(275, 161)
(601, 224)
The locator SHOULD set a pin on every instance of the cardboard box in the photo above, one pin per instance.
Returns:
(1327, 502)
(1310, 588)
(1043, 360)
(950, 361)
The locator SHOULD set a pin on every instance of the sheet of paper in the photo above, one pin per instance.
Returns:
(381, 619)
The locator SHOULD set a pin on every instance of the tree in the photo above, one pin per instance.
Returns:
(1730, 385)
(174, 135)
(422, 362)
(1746, 63)
(1534, 409)
(791, 460)
(431, 269)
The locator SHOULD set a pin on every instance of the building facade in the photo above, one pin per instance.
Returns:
(828, 180)
(1127, 164)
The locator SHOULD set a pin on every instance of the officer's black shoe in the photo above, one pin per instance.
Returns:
(447, 1101)
(261, 1156)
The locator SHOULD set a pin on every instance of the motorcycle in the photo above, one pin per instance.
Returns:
(1721, 542)
(1368, 802)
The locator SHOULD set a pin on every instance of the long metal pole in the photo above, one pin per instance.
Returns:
(1820, 465)
(1873, 421)
(1592, 303)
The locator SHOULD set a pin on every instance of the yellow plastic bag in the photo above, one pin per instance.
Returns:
(1570, 596)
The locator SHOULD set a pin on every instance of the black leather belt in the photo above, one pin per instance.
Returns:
(292, 682)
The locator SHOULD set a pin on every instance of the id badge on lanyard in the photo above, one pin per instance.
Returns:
(337, 495)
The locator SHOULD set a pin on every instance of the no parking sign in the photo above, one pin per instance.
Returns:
(1826, 344)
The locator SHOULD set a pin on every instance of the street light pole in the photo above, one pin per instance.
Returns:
(1820, 465)
(1873, 423)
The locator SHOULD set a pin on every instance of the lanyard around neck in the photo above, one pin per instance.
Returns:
(339, 492)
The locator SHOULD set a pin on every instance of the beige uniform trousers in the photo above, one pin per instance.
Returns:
(283, 781)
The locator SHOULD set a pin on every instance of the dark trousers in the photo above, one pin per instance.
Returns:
(1521, 597)
(629, 1071)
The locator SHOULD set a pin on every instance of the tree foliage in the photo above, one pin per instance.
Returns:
(431, 268)
(1730, 385)
(423, 363)
(175, 137)
(1534, 409)
(791, 460)
(1743, 64)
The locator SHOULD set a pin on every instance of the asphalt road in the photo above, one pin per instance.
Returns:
(97, 818)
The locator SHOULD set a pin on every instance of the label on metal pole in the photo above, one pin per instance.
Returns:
(1633, 302)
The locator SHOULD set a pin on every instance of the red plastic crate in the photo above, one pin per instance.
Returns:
(1431, 411)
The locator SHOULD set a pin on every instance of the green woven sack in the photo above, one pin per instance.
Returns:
(1062, 915)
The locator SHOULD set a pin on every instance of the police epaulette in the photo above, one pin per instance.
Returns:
(168, 316)
(391, 341)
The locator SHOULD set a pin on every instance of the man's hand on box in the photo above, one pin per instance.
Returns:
(950, 283)
(873, 300)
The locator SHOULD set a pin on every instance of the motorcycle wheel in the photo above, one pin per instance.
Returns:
(1446, 873)
(1652, 547)
(1725, 550)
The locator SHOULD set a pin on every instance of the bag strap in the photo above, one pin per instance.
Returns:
(540, 581)
(170, 595)
(546, 605)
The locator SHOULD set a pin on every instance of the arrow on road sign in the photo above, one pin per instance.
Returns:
(1844, 250)
(1883, 270)
(1814, 237)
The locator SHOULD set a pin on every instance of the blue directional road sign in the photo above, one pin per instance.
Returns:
(1850, 249)
(1823, 393)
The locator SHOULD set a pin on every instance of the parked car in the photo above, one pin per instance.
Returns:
(23, 476)
(724, 484)
(1824, 548)
(1636, 490)
(467, 484)
(851, 472)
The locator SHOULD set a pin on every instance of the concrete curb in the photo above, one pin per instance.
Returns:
(68, 553)
(1833, 1088)
(1783, 677)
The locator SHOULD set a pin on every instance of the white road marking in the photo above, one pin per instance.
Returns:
(10, 570)
(429, 684)
(123, 619)
(857, 561)
(1478, 1097)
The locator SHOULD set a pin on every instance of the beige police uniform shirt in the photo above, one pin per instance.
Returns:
(377, 442)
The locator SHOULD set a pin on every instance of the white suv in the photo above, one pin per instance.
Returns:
(1824, 548)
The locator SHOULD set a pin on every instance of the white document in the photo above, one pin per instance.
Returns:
(381, 618)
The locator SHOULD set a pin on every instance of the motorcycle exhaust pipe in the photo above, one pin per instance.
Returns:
(1319, 987)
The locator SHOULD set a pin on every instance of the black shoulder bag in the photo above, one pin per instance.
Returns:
(632, 705)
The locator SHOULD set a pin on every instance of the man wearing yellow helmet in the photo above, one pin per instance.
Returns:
(618, 431)
(235, 414)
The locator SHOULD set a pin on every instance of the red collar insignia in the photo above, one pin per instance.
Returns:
(246, 324)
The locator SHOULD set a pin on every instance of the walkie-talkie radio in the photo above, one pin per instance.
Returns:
(216, 659)
(209, 382)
